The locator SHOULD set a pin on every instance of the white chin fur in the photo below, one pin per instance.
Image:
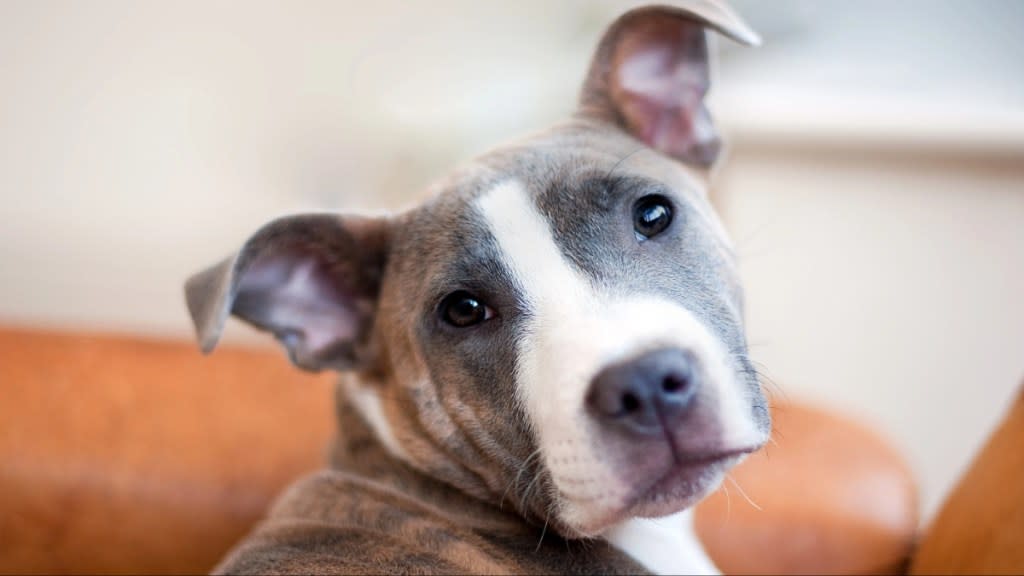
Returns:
(663, 545)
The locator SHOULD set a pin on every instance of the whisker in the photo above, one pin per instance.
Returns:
(728, 503)
(742, 493)
(621, 160)
(777, 432)
(515, 481)
(757, 369)
(544, 531)
(743, 245)
(535, 482)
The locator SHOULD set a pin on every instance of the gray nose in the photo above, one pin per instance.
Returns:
(646, 394)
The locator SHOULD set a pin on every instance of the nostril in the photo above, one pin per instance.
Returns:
(673, 383)
(630, 403)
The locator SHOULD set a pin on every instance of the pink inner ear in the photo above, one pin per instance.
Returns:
(659, 87)
(295, 298)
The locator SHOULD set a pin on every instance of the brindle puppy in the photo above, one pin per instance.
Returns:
(544, 365)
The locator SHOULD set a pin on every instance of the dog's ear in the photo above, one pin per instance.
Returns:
(312, 280)
(650, 74)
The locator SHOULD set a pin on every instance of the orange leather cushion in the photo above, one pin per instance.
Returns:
(122, 455)
(129, 456)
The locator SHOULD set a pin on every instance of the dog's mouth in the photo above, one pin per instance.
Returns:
(685, 481)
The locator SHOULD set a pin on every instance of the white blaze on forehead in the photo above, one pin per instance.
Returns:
(553, 292)
(573, 331)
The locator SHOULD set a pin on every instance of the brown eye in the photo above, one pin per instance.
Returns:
(461, 309)
(651, 216)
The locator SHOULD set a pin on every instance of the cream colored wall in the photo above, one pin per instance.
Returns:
(877, 203)
(141, 140)
(888, 286)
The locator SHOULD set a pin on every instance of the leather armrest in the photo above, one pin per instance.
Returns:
(980, 528)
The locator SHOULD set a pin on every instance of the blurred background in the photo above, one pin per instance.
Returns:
(874, 185)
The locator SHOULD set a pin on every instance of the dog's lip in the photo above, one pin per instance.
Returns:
(713, 457)
(662, 485)
(682, 465)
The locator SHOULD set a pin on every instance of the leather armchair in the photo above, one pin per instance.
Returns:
(124, 455)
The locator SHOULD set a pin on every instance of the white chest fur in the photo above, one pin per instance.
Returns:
(663, 545)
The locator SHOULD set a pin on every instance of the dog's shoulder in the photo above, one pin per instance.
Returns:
(296, 546)
(333, 522)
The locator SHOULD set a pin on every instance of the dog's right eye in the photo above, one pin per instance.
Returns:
(461, 309)
(651, 216)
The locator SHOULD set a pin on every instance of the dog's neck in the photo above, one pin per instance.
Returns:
(359, 449)
(663, 546)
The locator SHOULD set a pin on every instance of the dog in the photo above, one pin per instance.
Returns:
(543, 366)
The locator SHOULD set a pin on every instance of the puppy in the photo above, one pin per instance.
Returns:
(543, 367)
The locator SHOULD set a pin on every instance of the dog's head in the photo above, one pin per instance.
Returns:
(559, 328)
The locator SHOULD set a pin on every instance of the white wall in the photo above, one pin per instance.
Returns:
(875, 185)
(141, 140)
(887, 287)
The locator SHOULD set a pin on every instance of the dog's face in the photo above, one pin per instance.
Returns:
(559, 329)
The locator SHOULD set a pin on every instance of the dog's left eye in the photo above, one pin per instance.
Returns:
(461, 309)
(651, 216)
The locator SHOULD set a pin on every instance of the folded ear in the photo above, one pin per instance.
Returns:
(650, 74)
(311, 280)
